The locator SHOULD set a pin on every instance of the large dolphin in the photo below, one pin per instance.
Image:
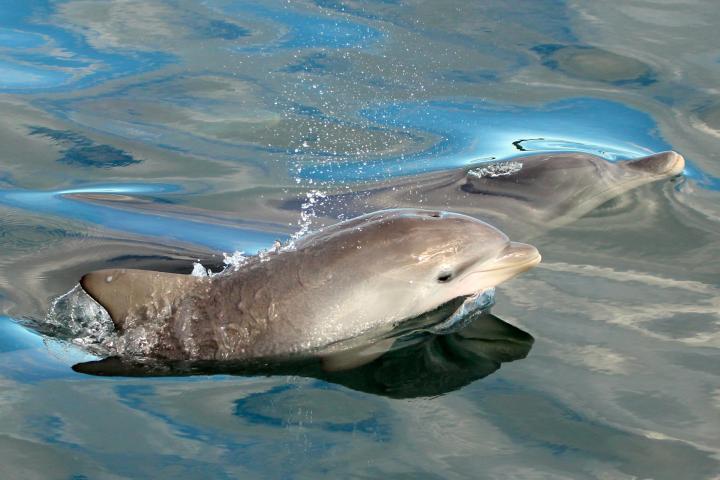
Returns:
(523, 197)
(339, 293)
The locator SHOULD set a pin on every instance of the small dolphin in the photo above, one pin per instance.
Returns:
(523, 197)
(338, 293)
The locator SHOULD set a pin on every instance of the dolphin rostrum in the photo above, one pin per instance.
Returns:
(337, 293)
(523, 196)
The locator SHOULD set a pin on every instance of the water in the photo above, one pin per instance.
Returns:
(159, 134)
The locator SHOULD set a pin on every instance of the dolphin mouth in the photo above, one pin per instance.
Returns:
(674, 165)
(663, 164)
(517, 257)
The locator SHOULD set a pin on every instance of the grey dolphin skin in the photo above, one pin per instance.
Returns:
(523, 197)
(338, 293)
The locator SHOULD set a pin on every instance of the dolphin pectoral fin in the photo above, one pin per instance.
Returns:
(355, 357)
(124, 291)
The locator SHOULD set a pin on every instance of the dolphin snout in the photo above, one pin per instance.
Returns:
(518, 257)
(667, 164)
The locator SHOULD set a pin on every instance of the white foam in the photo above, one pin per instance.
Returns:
(76, 317)
(497, 169)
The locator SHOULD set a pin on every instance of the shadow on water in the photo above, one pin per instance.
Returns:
(419, 366)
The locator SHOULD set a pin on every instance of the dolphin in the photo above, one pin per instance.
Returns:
(523, 197)
(340, 293)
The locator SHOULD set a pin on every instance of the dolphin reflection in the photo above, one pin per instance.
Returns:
(422, 364)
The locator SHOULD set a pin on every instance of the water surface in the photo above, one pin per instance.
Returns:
(155, 134)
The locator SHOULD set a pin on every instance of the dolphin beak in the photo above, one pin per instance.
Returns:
(517, 258)
(513, 260)
(664, 164)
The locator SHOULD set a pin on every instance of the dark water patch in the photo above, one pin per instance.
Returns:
(595, 64)
(685, 325)
(319, 63)
(80, 150)
(223, 30)
(703, 360)
(470, 76)
(672, 411)
(307, 111)
(102, 156)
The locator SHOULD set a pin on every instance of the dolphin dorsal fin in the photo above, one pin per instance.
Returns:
(140, 293)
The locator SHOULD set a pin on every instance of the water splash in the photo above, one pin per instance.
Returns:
(308, 213)
(236, 260)
(77, 318)
(199, 270)
(499, 169)
(239, 258)
(463, 315)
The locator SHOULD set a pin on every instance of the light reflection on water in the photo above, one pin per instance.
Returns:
(152, 134)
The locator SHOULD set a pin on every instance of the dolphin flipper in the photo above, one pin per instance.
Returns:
(126, 292)
(355, 357)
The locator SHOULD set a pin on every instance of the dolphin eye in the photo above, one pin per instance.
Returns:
(445, 276)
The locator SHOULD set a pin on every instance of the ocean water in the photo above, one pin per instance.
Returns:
(155, 134)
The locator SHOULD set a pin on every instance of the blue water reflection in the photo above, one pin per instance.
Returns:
(13, 337)
(471, 132)
(67, 203)
(302, 30)
(37, 54)
(28, 357)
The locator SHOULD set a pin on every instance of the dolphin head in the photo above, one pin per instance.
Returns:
(397, 264)
(555, 188)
